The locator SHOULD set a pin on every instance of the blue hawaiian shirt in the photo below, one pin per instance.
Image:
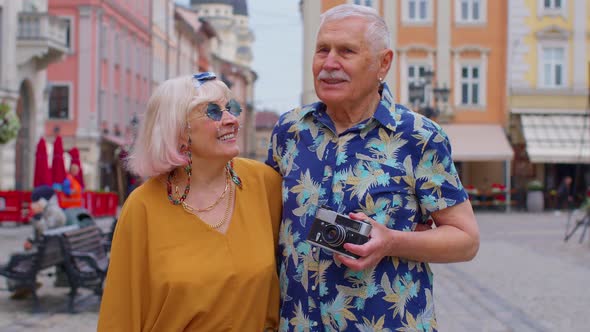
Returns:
(396, 167)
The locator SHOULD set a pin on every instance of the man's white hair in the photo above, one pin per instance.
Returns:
(377, 34)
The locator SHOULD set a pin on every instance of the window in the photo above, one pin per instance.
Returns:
(552, 7)
(552, 4)
(416, 11)
(416, 76)
(69, 24)
(368, 3)
(103, 41)
(552, 67)
(116, 48)
(59, 102)
(470, 11)
(470, 85)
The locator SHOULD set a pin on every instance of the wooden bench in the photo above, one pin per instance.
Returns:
(23, 268)
(86, 260)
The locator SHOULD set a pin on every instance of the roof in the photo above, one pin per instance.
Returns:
(557, 138)
(240, 7)
(478, 142)
(195, 21)
(266, 119)
(205, 2)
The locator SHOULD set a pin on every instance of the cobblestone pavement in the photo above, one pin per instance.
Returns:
(525, 278)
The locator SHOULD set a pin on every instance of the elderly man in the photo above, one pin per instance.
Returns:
(359, 154)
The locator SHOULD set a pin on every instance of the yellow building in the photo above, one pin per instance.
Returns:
(549, 56)
(463, 42)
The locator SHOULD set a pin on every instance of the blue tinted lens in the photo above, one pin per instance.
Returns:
(234, 108)
(214, 112)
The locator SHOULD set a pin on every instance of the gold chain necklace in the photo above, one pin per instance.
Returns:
(225, 214)
(191, 209)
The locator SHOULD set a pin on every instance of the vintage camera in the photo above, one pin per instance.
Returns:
(331, 230)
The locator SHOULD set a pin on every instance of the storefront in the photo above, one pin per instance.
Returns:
(557, 145)
(483, 156)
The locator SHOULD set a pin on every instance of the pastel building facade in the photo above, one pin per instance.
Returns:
(31, 38)
(464, 43)
(548, 72)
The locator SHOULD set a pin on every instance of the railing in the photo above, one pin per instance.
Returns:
(42, 27)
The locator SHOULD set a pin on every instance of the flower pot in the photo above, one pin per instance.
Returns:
(535, 202)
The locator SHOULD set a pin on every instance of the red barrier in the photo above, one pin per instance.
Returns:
(14, 206)
(112, 204)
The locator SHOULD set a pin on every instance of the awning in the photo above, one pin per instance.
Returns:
(557, 138)
(478, 142)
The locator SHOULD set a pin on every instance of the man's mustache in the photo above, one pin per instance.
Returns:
(333, 75)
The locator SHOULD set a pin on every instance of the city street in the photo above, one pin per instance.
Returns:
(525, 278)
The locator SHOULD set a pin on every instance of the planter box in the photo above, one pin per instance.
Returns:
(535, 201)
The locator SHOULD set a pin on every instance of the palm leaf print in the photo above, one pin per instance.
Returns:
(308, 264)
(319, 275)
(284, 282)
(288, 159)
(308, 195)
(424, 321)
(342, 148)
(384, 149)
(300, 321)
(336, 314)
(363, 286)
(320, 143)
(366, 175)
(288, 239)
(372, 325)
(399, 292)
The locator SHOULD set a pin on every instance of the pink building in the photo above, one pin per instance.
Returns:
(103, 82)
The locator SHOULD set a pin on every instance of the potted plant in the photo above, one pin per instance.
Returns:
(9, 124)
(535, 202)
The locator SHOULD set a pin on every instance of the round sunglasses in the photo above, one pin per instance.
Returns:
(215, 112)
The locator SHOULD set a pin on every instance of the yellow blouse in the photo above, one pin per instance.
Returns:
(169, 271)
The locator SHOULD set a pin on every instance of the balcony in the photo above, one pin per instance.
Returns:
(41, 37)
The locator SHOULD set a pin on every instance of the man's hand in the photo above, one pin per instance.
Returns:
(372, 252)
(379, 245)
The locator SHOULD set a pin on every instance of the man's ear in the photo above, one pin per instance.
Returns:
(385, 61)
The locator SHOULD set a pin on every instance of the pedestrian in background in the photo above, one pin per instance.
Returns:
(565, 198)
(71, 190)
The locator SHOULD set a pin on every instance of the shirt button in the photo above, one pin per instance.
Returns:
(314, 249)
(313, 287)
(315, 324)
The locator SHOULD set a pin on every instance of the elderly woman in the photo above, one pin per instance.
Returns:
(194, 248)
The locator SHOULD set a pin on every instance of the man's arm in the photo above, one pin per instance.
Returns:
(455, 239)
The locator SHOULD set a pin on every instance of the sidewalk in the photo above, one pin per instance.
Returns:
(15, 315)
(524, 278)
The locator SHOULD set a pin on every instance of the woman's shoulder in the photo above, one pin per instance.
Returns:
(251, 165)
(253, 168)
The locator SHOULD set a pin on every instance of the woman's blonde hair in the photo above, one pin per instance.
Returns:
(164, 128)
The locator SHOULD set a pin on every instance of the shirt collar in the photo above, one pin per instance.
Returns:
(387, 112)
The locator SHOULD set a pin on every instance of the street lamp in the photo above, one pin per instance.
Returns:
(420, 96)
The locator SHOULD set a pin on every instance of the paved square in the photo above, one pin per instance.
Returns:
(524, 278)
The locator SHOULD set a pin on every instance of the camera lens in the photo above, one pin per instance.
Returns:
(334, 235)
